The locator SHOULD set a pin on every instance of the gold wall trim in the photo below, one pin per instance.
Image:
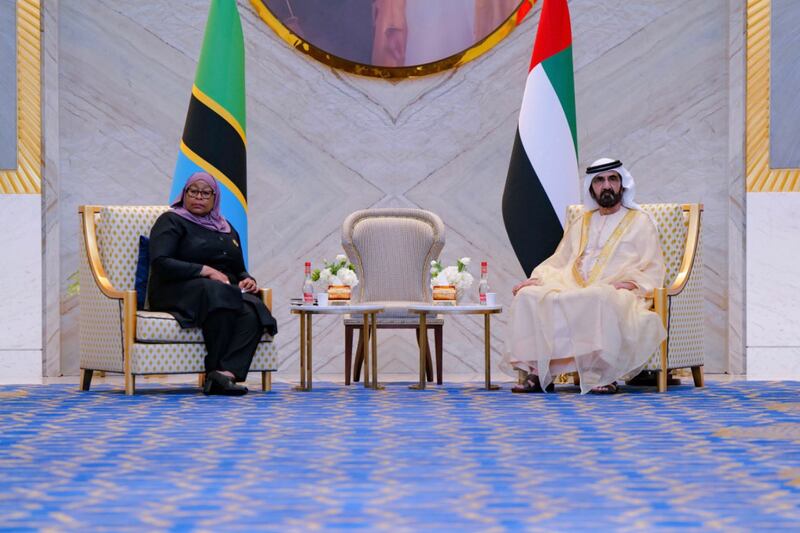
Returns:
(760, 176)
(453, 61)
(27, 178)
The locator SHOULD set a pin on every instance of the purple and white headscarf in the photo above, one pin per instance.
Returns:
(213, 220)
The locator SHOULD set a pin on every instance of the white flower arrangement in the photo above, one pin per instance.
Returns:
(457, 275)
(340, 272)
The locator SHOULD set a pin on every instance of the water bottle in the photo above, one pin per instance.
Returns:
(308, 287)
(483, 286)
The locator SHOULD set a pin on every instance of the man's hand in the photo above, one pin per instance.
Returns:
(248, 285)
(526, 283)
(627, 285)
(213, 273)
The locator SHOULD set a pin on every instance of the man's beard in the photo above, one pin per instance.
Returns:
(608, 198)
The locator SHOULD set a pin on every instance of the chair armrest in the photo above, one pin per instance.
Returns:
(89, 231)
(266, 297)
(690, 251)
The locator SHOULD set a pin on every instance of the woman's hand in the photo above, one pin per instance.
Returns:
(213, 273)
(627, 285)
(526, 283)
(248, 285)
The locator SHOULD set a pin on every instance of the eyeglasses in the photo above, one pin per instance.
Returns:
(197, 193)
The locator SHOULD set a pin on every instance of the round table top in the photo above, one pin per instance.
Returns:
(444, 309)
(342, 309)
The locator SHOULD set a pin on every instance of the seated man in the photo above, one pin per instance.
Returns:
(583, 309)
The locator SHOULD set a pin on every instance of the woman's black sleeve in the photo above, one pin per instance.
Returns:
(242, 271)
(165, 241)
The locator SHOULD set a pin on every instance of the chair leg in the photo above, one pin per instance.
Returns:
(86, 379)
(201, 379)
(437, 339)
(697, 375)
(266, 381)
(359, 357)
(348, 353)
(428, 360)
(130, 385)
(662, 380)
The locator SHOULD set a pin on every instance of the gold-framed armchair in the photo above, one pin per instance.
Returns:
(680, 301)
(115, 336)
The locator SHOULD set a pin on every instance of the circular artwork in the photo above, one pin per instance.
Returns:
(393, 38)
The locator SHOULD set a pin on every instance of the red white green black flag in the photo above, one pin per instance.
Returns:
(543, 174)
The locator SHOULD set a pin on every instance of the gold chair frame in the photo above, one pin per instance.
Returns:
(661, 295)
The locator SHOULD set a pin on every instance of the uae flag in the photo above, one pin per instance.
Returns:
(214, 138)
(543, 174)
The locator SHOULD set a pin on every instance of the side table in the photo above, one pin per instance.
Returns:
(370, 312)
(486, 310)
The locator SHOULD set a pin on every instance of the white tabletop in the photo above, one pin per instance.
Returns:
(343, 309)
(445, 309)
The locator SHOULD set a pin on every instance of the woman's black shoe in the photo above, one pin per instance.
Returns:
(218, 383)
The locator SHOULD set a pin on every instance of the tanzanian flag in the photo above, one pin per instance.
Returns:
(543, 174)
(214, 137)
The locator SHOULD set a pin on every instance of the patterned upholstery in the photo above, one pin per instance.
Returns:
(685, 346)
(160, 344)
(158, 327)
(685, 310)
(391, 250)
(100, 322)
(118, 232)
(188, 358)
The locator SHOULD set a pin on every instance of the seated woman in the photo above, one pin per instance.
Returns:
(197, 274)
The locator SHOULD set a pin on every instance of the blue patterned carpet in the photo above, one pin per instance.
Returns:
(453, 458)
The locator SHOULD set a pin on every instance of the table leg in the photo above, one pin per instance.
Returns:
(423, 342)
(302, 385)
(365, 348)
(308, 352)
(487, 332)
(375, 384)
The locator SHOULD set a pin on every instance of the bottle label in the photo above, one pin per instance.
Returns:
(483, 298)
(308, 298)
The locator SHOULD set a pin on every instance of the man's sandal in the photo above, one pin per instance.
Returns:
(531, 384)
(611, 388)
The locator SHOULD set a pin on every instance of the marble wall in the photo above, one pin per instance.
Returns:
(51, 191)
(736, 186)
(21, 289)
(773, 287)
(652, 82)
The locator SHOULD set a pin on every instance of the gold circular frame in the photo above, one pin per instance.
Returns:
(453, 61)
